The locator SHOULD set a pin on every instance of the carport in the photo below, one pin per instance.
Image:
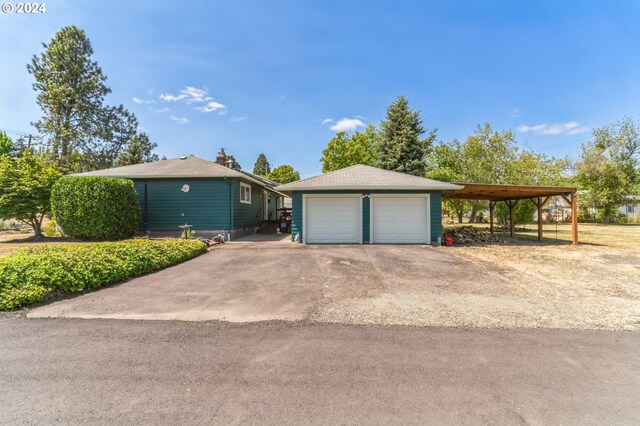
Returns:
(511, 195)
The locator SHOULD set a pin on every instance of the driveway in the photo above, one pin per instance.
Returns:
(374, 284)
(71, 371)
(257, 281)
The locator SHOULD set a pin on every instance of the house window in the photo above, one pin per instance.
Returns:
(245, 193)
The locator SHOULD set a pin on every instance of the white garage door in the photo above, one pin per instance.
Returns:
(400, 219)
(332, 219)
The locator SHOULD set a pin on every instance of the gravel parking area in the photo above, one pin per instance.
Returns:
(534, 286)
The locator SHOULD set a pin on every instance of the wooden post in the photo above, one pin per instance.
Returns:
(492, 205)
(574, 219)
(512, 223)
(539, 204)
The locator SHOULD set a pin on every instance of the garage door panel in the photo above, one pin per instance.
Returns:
(400, 220)
(332, 220)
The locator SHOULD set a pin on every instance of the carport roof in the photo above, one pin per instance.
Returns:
(360, 177)
(481, 191)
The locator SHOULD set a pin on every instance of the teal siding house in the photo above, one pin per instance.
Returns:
(363, 204)
(208, 195)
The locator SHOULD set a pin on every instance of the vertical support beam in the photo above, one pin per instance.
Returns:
(539, 204)
(492, 205)
(574, 219)
(512, 223)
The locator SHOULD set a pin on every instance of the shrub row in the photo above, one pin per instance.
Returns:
(30, 275)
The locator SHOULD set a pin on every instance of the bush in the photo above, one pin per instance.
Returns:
(30, 275)
(51, 230)
(96, 208)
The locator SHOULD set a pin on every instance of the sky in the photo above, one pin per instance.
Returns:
(282, 77)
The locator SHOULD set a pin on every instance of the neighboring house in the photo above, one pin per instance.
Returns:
(208, 195)
(363, 204)
(631, 208)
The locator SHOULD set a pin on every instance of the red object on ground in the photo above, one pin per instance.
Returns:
(448, 241)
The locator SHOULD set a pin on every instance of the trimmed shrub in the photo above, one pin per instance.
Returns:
(95, 208)
(31, 274)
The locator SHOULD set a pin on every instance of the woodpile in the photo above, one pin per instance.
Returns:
(469, 234)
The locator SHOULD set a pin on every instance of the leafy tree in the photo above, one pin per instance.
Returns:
(7, 146)
(606, 180)
(400, 147)
(261, 166)
(492, 157)
(284, 174)
(621, 143)
(25, 189)
(139, 150)
(345, 150)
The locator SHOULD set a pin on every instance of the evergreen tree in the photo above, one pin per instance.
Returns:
(71, 89)
(261, 166)
(139, 150)
(7, 146)
(400, 147)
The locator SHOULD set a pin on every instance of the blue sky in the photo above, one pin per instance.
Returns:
(268, 76)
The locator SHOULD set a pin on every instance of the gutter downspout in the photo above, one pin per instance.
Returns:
(230, 208)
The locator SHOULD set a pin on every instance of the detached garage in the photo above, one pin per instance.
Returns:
(363, 204)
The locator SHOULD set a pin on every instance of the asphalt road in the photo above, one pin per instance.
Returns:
(74, 371)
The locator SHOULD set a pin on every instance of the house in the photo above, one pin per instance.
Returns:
(363, 204)
(631, 208)
(210, 196)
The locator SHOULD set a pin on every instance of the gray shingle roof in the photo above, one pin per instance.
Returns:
(183, 167)
(366, 177)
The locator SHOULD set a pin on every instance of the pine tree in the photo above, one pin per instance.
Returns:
(261, 166)
(71, 89)
(400, 147)
(139, 150)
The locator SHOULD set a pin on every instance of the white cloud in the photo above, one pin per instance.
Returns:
(180, 120)
(326, 121)
(515, 112)
(237, 119)
(568, 128)
(189, 94)
(211, 106)
(137, 100)
(347, 124)
(159, 110)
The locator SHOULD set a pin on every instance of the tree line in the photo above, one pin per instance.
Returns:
(607, 169)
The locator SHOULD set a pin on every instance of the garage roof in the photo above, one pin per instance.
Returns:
(361, 177)
(481, 191)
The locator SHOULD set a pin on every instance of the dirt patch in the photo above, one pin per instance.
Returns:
(492, 286)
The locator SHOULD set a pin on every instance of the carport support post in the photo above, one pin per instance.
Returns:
(574, 219)
(492, 205)
(511, 204)
(539, 204)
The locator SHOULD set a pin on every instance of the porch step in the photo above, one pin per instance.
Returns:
(268, 227)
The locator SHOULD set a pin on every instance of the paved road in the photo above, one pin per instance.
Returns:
(74, 371)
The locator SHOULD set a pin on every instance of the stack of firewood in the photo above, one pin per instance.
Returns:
(469, 234)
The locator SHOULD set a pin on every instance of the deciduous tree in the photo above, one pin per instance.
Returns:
(345, 150)
(25, 189)
(284, 174)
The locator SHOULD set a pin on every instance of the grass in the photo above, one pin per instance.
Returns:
(607, 235)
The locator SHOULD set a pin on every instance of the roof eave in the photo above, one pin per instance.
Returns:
(289, 189)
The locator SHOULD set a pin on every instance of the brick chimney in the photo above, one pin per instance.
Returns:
(221, 158)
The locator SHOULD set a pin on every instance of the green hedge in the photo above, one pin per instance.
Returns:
(96, 208)
(31, 274)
